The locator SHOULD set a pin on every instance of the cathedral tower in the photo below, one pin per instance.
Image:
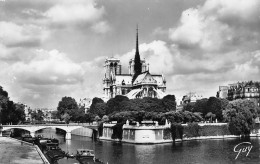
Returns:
(112, 68)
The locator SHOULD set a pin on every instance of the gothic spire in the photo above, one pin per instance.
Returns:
(137, 45)
(137, 60)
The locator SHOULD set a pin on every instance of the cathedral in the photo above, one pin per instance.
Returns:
(134, 84)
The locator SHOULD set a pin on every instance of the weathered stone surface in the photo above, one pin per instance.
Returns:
(14, 152)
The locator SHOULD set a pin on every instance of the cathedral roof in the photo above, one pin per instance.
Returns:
(126, 78)
(145, 78)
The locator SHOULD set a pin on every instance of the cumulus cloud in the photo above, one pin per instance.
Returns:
(156, 53)
(241, 10)
(217, 25)
(50, 75)
(201, 31)
(28, 35)
(75, 11)
(101, 27)
(215, 44)
(48, 67)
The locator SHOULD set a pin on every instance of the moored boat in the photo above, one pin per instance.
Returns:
(54, 152)
(86, 156)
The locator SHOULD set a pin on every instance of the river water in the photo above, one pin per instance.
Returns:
(219, 151)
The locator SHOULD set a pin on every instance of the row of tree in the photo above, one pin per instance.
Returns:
(209, 108)
(122, 103)
(240, 114)
(68, 109)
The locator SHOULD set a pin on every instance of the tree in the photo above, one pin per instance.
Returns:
(67, 105)
(95, 101)
(12, 113)
(240, 115)
(78, 115)
(169, 103)
(114, 104)
(54, 114)
(105, 118)
(189, 107)
(210, 116)
(216, 106)
(66, 117)
(121, 117)
(3, 102)
(37, 115)
(201, 106)
(89, 117)
(97, 118)
(98, 109)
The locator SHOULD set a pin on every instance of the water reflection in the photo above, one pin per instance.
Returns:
(192, 152)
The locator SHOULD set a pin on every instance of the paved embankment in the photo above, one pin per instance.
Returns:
(17, 152)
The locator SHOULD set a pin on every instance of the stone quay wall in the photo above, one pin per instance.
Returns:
(152, 134)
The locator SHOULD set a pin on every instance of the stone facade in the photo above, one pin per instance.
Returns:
(241, 90)
(142, 134)
(191, 97)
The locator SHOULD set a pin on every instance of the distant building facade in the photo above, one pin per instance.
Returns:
(144, 85)
(47, 113)
(223, 92)
(85, 103)
(241, 90)
(191, 97)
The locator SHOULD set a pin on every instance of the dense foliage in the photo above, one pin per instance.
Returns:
(176, 131)
(121, 108)
(208, 107)
(192, 130)
(10, 112)
(240, 115)
(68, 109)
(37, 115)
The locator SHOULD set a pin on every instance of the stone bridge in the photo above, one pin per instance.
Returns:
(33, 128)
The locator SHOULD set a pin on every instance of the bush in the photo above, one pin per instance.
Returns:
(105, 118)
(176, 131)
(167, 133)
(97, 118)
(209, 130)
(192, 130)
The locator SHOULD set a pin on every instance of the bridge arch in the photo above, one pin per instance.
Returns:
(21, 128)
(68, 128)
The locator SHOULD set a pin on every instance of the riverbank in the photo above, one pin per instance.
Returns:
(20, 152)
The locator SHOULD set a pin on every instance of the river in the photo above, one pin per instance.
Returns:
(219, 151)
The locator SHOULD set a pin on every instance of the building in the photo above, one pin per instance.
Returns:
(223, 92)
(47, 113)
(191, 97)
(241, 90)
(144, 85)
(85, 103)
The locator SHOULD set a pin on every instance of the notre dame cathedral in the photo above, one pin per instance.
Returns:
(135, 84)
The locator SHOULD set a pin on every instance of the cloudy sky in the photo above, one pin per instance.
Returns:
(55, 48)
